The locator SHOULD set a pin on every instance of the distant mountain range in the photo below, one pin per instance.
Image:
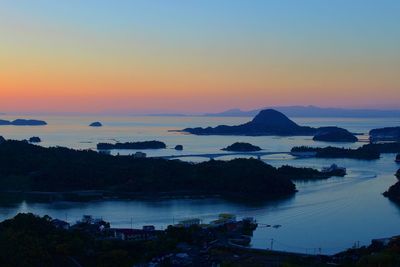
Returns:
(311, 111)
(290, 111)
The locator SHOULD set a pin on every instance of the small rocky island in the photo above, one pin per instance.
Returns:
(385, 134)
(35, 139)
(23, 122)
(242, 147)
(393, 192)
(334, 134)
(132, 145)
(96, 124)
(179, 147)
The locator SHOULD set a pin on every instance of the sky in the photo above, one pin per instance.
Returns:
(197, 55)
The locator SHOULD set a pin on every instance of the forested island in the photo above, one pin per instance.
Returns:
(266, 122)
(385, 134)
(272, 122)
(242, 147)
(27, 167)
(132, 145)
(334, 134)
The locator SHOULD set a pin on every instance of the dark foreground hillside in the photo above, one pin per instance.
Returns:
(30, 240)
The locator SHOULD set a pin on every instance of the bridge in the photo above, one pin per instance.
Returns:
(258, 155)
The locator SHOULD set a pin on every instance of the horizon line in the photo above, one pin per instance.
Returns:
(189, 113)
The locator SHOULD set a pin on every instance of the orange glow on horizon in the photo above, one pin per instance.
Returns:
(88, 64)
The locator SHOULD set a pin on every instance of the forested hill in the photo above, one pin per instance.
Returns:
(34, 168)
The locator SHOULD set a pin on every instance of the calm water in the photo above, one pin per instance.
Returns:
(330, 215)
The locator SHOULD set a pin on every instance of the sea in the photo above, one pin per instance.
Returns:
(325, 216)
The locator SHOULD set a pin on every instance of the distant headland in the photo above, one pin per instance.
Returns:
(23, 122)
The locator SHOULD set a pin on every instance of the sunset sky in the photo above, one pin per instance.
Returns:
(197, 55)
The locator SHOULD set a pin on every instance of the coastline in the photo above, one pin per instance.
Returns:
(103, 195)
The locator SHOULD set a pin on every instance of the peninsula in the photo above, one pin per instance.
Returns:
(32, 168)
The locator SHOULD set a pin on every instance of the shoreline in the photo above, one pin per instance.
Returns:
(104, 195)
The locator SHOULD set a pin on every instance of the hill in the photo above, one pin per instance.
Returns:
(266, 122)
(27, 167)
